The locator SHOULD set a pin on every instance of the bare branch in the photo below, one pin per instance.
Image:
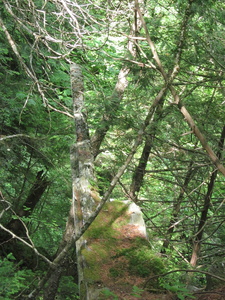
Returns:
(6, 137)
(26, 243)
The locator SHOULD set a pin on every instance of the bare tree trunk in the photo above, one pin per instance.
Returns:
(198, 134)
(110, 112)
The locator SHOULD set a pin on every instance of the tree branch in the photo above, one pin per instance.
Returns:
(26, 243)
(186, 271)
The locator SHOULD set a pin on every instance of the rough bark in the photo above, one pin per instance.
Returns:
(85, 196)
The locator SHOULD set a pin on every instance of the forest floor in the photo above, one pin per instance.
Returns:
(217, 294)
(122, 286)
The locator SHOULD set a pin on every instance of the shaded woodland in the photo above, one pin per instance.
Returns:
(111, 101)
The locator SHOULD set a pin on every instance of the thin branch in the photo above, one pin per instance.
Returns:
(170, 79)
(186, 271)
(26, 243)
(3, 202)
(2, 138)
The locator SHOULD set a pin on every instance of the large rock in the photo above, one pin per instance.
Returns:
(117, 254)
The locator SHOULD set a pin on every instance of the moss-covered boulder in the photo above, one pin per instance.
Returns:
(117, 253)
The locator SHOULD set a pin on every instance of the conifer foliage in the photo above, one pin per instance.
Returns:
(128, 97)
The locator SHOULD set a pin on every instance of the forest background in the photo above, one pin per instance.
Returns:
(151, 117)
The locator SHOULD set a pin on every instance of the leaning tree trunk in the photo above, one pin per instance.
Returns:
(120, 87)
(172, 75)
(18, 227)
(37, 190)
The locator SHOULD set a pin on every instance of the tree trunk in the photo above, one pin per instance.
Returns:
(19, 229)
(206, 205)
(118, 92)
(85, 196)
(37, 190)
(110, 112)
(176, 208)
(140, 169)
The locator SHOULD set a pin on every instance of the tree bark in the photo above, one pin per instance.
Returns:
(111, 110)
(85, 195)
(17, 227)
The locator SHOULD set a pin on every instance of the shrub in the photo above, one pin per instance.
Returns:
(13, 281)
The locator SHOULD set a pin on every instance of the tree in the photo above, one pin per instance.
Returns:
(162, 62)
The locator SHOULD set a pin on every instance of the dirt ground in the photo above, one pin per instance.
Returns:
(217, 294)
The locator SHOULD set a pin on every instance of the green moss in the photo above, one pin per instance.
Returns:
(103, 237)
(95, 257)
(141, 260)
(101, 232)
(104, 225)
(140, 242)
(116, 271)
(92, 269)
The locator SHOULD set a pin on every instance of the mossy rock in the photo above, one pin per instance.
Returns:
(116, 251)
(141, 261)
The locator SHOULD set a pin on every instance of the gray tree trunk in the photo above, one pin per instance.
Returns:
(85, 196)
